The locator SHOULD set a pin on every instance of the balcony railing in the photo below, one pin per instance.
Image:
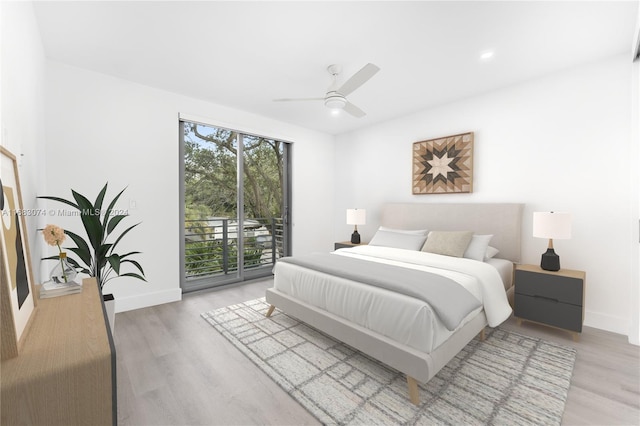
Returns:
(211, 245)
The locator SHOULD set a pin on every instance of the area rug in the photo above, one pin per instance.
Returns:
(508, 379)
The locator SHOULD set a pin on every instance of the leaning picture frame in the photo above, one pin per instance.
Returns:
(17, 301)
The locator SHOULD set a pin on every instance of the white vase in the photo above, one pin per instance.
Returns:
(110, 308)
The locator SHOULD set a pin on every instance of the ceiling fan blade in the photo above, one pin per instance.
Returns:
(358, 79)
(354, 110)
(297, 99)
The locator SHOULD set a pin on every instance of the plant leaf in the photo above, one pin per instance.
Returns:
(51, 258)
(128, 274)
(132, 274)
(61, 200)
(101, 254)
(114, 261)
(90, 219)
(80, 253)
(129, 254)
(98, 203)
(71, 260)
(111, 205)
(114, 222)
(125, 233)
(136, 264)
(83, 251)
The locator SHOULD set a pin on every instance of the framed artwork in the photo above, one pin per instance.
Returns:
(443, 165)
(18, 303)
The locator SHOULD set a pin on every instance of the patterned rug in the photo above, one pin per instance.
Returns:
(508, 379)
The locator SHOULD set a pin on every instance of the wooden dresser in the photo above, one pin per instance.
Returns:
(66, 370)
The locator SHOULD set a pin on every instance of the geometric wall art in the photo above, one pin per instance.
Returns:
(443, 165)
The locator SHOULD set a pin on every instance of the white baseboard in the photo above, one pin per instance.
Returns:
(614, 324)
(145, 300)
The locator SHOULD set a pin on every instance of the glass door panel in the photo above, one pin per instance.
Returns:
(235, 212)
(210, 205)
(263, 202)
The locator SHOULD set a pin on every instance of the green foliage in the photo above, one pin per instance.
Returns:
(203, 257)
(252, 253)
(206, 257)
(98, 257)
(210, 161)
(211, 169)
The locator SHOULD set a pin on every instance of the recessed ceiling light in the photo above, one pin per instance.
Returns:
(485, 56)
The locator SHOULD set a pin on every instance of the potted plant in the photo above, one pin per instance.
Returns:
(98, 257)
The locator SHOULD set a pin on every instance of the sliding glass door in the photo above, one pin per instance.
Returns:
(235, 192)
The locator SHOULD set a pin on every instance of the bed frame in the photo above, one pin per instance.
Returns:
(502, 220)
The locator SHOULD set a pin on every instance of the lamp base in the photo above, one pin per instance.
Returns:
(355, 237)
(550, 261)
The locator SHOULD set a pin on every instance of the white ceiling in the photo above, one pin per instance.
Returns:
(245, 54)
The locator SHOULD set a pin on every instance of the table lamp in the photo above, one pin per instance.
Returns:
(356, 217)
(551, 225)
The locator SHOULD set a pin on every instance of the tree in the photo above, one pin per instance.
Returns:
(211, 169)
(210, 159)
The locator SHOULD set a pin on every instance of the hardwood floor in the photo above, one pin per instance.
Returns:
(175, 369)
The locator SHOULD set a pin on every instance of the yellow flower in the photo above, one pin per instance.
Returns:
(54, 235)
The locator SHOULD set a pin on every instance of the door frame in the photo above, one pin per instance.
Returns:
(286, 214)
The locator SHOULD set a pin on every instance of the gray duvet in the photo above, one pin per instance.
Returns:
(449, 300)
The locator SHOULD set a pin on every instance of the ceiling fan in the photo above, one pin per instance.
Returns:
(335, 98)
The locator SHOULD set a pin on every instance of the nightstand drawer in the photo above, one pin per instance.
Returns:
(548, 311)
(561, 288)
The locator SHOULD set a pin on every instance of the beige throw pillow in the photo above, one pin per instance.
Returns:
(448, 243)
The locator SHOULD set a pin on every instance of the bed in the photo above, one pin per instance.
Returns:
(413, 334)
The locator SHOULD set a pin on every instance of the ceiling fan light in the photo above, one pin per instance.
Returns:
(335, 102)
(487, 55)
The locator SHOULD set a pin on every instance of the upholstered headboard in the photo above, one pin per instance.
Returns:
(503, 220)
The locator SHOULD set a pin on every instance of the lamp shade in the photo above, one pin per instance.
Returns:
(356, 216)
(553, 225)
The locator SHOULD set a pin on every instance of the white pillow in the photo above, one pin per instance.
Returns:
(491, 251)
(477, 248)
(448, 243)
(405, 231)
(397, 240)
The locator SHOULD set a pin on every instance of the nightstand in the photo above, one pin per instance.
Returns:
(346, 244)
(551, 298)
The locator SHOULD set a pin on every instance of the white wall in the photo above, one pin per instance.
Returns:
(22, 120)
(558, 143)
(634, 334)
(564, 142)
(94, 128)
(101, 128)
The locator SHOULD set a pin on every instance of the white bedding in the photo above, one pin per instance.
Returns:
(505, 269)
(402, 318)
